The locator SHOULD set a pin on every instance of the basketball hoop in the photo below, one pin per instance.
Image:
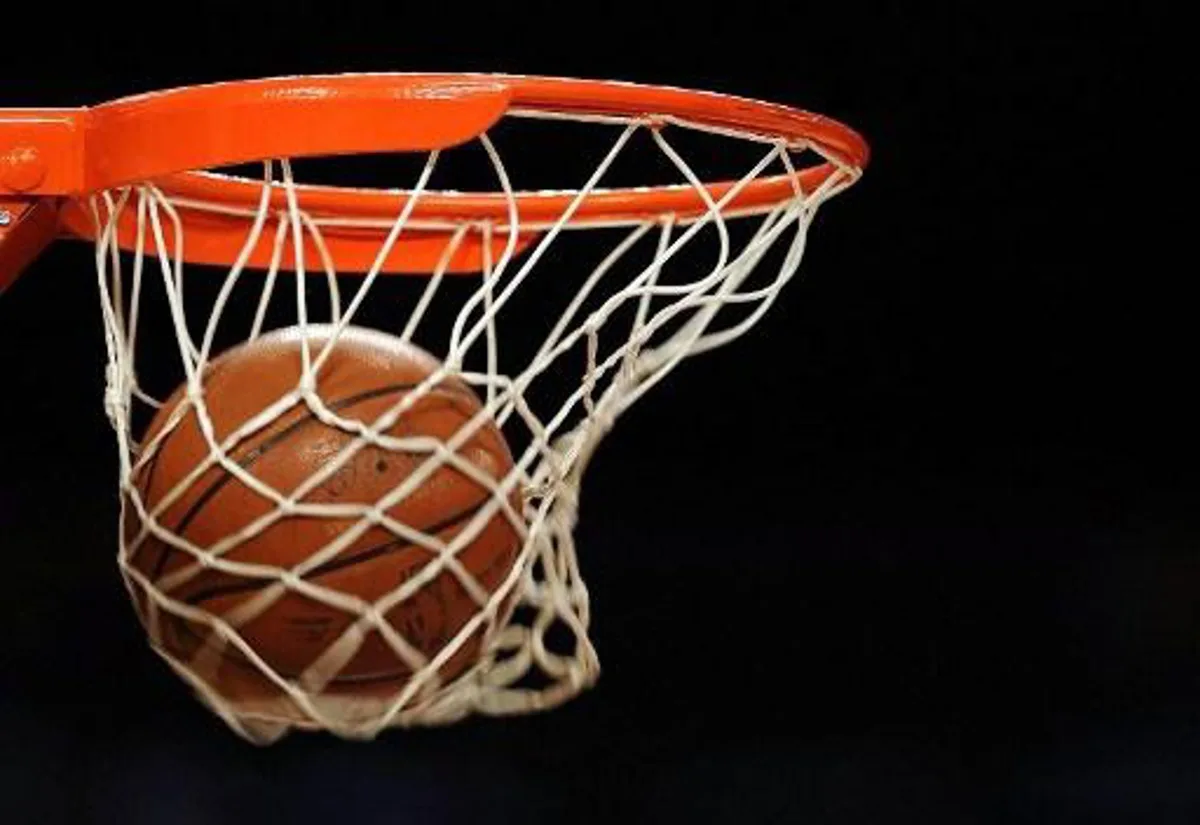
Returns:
(688, 264)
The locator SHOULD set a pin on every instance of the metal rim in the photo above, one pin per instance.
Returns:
(168, 138)
(485, 97)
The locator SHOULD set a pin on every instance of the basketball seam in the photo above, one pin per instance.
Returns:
(182, 626)
(259, 450)
(361, 557)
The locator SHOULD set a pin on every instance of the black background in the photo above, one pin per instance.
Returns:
(957, 579)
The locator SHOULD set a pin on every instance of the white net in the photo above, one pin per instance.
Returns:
(557, 339)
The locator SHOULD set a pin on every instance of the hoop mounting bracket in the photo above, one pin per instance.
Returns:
(27, 226)
(41, 151)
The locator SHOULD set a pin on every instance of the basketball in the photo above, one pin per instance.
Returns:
(366, 374)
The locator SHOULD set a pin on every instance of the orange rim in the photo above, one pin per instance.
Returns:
(166, 137)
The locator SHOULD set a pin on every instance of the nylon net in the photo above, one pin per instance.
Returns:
(558, 337)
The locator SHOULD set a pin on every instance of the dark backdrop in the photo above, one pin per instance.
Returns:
(970, 595)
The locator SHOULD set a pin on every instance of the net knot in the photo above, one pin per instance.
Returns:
(116, 388)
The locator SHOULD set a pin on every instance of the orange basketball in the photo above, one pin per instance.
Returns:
(366, 374)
